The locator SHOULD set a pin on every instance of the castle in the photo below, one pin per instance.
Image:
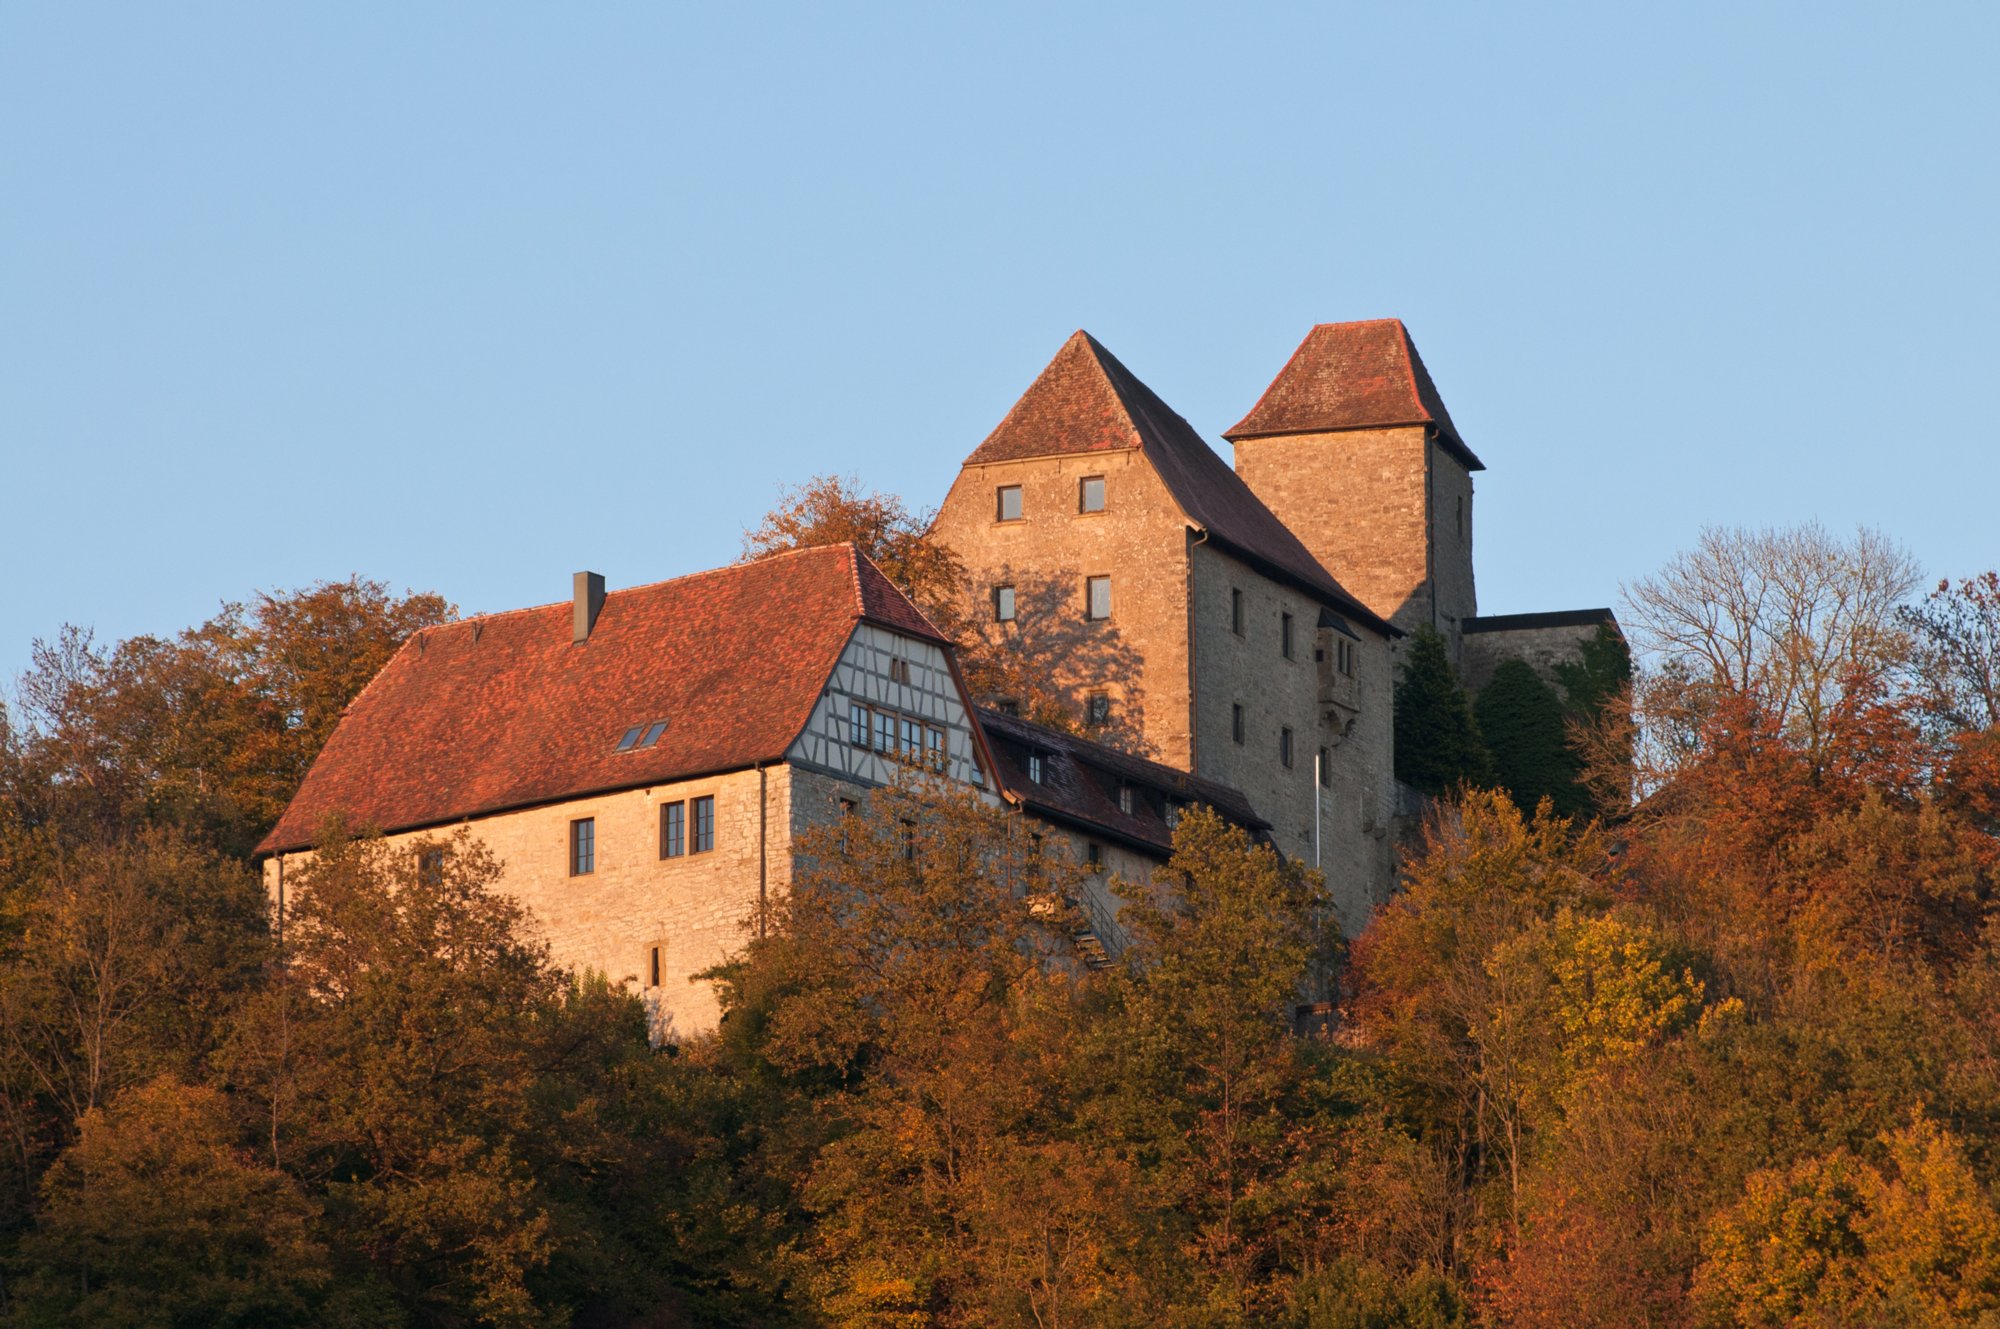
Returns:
(642, 761)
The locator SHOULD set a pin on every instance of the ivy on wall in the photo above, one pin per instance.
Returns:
(1437, 742)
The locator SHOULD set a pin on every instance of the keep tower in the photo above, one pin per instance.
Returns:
(1352, 448)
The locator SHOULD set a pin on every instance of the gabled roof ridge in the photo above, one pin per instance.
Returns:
(724, 570)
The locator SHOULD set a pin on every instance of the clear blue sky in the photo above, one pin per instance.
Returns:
(466, 297)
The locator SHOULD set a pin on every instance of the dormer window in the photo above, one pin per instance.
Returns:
(1008, 502)
(1034, 768)
(1125, 799)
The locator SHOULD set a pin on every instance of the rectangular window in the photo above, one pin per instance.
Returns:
(1173, 814)
(1285, 635)
(1010, 503)
(1090, 494)
(673, 830)
(1093, 857)
(704, 825)
(857, 724)
(430, 867)
(1285, 747)
(1325, 768)
(652, 966)
(1097, 597)
(1236, 612)
(1236, 722)
(885, 733)
(1343, 656)
(631, 739)
(1097, 710)
(934, 748)
(1125, 799)
(913, 739)
(583, 847)
(1035, 767)
(1003, 604)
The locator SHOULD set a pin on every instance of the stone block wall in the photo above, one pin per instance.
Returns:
(698, 908)
(1139, 656)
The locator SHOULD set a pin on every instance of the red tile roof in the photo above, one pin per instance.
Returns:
(1080, 782)
(504, 711)
(1364, 375)
(1087, 401)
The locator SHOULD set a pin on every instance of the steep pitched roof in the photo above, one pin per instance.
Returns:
(504, 711)
(1361, 375)
(1080, 782)
(1087, 401)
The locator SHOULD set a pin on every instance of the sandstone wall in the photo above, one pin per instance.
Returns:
(1139, 656)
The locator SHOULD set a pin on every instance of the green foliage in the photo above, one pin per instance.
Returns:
(1596, 681)
(1523, 725)
(1438, 748)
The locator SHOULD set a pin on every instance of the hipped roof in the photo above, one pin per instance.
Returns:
(506, 711)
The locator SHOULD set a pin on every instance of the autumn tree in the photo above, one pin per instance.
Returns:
(209, 731)
(158, 1214)
(1783, 624)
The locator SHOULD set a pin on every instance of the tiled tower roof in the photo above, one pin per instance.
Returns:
(506, 711)
(1087, 401)
(1364, 375)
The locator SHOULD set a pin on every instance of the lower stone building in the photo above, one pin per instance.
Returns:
(642, 763)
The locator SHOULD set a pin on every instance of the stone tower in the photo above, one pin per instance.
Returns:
(1352, 448)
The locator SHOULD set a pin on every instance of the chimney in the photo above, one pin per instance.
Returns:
(588, 588)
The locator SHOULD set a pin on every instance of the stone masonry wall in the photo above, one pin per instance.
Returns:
(1251, 670)
(1543, 648)
(1357, 499)
(699, 908)
(1139, 656)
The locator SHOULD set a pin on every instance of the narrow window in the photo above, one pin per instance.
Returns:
(1097, 596)
(1325, 768)
(913, 739)
(1285, 747)
(857, 724)
(1236, 721)
(910, 841)
(1458, 522)
(1173, 814)
(1003, 604)
(583, 847)
(1285, 635)
(934, 748)
(1034, 768)
(885, 733)
(1010, 503)
(652, 966)
(1236, 611)
(1344, 656)
(704, 825)
(673, 830)
(899, 670)
(1098, 709)
(430, 867)
(846, 807)
(1090, 494)
(1093, 857)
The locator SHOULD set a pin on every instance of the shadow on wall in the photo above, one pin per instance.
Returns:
(1053, 663)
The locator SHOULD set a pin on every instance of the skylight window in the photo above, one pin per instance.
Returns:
(642, 736)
